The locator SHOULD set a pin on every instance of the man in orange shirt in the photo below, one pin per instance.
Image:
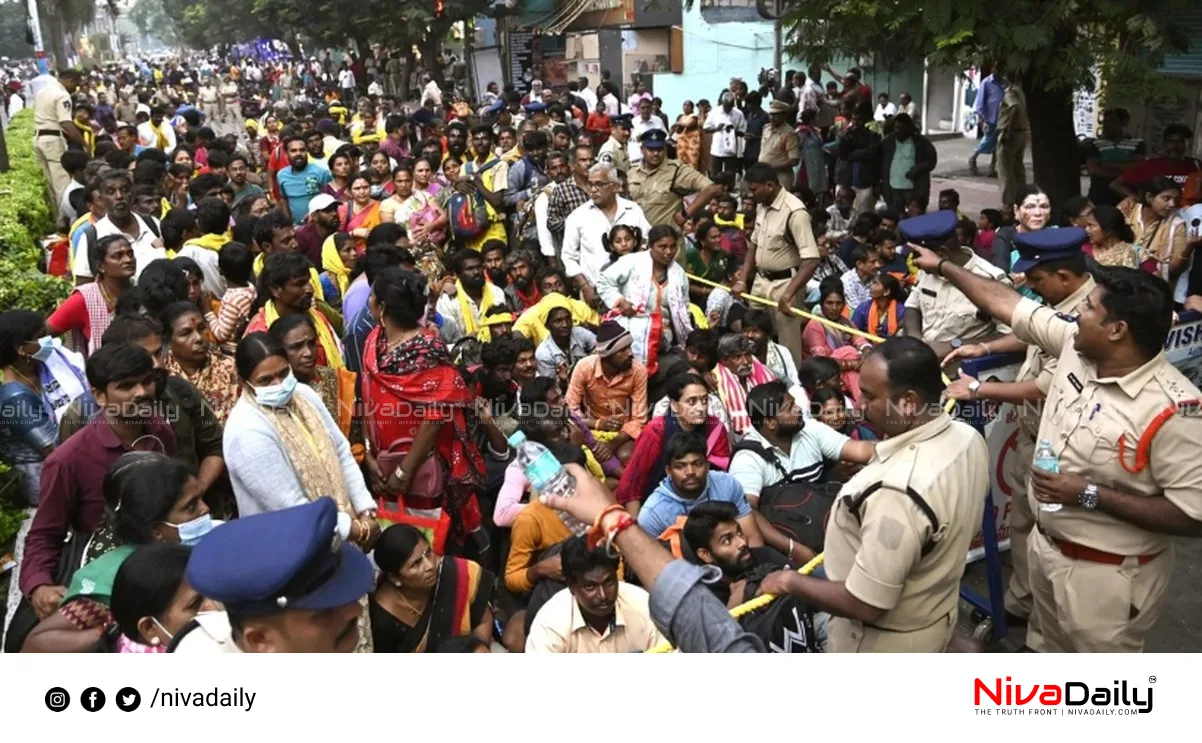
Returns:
(609, 389)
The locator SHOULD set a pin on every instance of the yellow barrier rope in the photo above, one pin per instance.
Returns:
(758, 602)
(815, 318)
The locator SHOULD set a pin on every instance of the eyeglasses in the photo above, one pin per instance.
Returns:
(597, 186)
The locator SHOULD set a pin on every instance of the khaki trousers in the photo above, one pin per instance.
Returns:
(1022, 523)
(788, 327)
(1011, 171)
(1088, 607)
(49, 153)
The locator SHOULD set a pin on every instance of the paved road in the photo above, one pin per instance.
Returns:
(976, 192)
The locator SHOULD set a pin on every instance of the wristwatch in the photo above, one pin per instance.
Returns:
(1089, 497)
(973, 386)
(955, 343)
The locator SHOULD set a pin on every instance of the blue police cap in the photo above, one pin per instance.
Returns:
(654, 139)
(929, 230)
(535, 107)
(1047, 245)
(625, 120)
(289, 559)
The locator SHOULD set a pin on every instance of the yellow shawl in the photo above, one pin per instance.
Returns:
(160, 139)
(533, 322)
(325, 337)
(485, 334)
(319, 294)
(211, 241)
(492, 297)
(331, 261)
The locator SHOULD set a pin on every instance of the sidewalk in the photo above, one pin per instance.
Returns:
(976, 192)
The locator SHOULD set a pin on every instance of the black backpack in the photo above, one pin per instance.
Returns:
(799, 506)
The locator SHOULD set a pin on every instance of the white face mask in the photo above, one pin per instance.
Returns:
(277, 395)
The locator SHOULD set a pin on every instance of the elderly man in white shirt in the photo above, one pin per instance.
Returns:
(728, 125)
(584, 255)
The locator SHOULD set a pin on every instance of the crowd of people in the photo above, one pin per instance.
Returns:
(336, 316)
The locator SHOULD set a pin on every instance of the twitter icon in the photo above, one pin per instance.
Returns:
(128, 699)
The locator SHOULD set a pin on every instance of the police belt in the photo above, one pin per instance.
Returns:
(1089, 554)
(946, 617)
(48, 133)
(786, 273)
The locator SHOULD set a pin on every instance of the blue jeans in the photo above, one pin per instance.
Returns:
(988, 143)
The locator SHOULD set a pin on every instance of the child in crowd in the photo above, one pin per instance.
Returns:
(987, 226)
(235, 262)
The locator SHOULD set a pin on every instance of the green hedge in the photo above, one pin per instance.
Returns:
(25, 218)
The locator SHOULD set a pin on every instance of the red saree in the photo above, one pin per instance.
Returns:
(408, 385)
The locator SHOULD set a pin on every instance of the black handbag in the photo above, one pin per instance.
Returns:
(24, 617)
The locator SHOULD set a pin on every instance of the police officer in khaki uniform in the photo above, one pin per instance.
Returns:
(900, 529)
(659, 186)
(936, 311)
(1056, 270)
(614, 149)
(54, 126)
(1124, 425)
(783, 254)
(781, 148)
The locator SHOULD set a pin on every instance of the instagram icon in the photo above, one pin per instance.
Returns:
(57, 699)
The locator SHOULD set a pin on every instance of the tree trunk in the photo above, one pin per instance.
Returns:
(58, 34)
(430, 47)
(1053, 136)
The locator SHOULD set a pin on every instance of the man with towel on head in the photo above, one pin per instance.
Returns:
(609, 390)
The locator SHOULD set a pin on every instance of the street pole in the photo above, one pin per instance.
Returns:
(776, 47)
(39, 50)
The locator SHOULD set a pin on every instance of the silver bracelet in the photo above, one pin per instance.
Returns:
(790, 555)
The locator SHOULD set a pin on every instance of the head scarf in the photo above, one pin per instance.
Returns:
(331, 261)
(485, 333)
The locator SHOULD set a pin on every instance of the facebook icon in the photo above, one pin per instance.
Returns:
(92, 699)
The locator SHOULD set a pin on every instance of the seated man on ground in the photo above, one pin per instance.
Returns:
(597, 612)
(713, 536)
(610, 390)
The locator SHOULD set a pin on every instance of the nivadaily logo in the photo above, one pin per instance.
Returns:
(1070, 697)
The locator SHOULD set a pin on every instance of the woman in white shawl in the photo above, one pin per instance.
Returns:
(649, 293)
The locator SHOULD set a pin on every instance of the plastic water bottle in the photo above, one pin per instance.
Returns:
(546, 475)
(1045, 459)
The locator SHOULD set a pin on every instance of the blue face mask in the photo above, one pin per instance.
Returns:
(45, 349)
(193, 531)
(277, 395)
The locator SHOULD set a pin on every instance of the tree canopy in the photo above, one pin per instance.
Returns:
(1053, 47)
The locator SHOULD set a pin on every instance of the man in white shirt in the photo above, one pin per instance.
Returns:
(346, 81)
(587, 94)
(596, 613)
(584, 255)
(207, 96)
(728, 125)
(644, 122)
(143, 234)
(884, 109)
(156, 133)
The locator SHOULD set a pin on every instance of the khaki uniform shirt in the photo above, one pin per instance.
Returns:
(1012, 116)
(51, 106)
(879, 557)
(1041, 367)
(1084, 418)
(653, 189)
(781, 148)
(614, 153)
(773, 250)
(946, 312)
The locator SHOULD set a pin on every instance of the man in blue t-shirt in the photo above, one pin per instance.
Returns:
(689, 481)
(300, 181)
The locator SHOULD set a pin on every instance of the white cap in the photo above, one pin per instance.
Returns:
(321, 202)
